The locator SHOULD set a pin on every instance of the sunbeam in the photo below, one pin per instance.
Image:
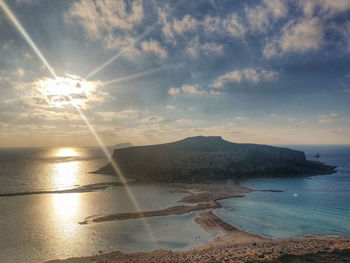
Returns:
(118, 54)
(116, 169)
(65, 95)
(25, 35)
(135, 76)
(19, 99)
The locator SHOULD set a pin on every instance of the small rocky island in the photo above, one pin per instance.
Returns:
(199, 158)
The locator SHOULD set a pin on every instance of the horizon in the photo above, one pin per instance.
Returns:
(151, 72)
(136, 145)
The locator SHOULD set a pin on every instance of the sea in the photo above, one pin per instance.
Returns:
(42, 227)
(307, 206)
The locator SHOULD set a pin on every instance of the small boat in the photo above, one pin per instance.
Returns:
(317, 155)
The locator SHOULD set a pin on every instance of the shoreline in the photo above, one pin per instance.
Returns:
(201, 197)
(235, 245)
(80, 189)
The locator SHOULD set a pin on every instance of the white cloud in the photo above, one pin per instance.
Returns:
(230, 26)
(194, 48)
(174, 27)
(170, 107)
(190, 90)
(211, 48)
(111, 115)
(248, 74)
(153, 47)
(260, 16)
(233, 26)
(174, 91)
(211, 24)
(187, 24)
(297, 36)
(111, 21)
(119, 42)
(328, 7)
(106, 15)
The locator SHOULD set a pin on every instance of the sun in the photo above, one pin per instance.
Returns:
(64, 91)
(66, 152)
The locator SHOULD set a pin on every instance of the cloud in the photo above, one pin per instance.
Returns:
(112, 116)
(106, 15)
(170, 107)
(233, 26)
(51, 115)
(19, 72)
(194, 48)
(211, 48)
(176, 27)
(229, 26)
(260, 16)
(122, 42)
(153, 119)
(328, 7)
(327, 118)
(174, 91)
(297, 36)
(187, 24)
(191, 90)
(62, 92)
(187, 122)
(153, 47)
(241, 118)
(248, 74)
(113, 22)
(344, 31)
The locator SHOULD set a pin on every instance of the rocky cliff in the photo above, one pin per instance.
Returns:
(210, 158)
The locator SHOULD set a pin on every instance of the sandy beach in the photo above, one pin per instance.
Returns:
(233, 246)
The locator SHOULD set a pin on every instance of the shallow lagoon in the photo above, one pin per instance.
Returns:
(37, 228)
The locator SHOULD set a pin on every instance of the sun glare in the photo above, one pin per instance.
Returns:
(66, 205)
(66, 152)
(63, 91)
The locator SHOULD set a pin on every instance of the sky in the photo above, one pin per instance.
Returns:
(155, 71)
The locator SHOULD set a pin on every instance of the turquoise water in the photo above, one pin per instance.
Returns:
(314, 206)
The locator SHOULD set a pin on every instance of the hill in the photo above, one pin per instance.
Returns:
(211, 158)
(123, 145)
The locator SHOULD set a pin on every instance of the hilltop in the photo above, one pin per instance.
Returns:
(199, 158)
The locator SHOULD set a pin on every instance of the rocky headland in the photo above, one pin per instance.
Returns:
(198, 159)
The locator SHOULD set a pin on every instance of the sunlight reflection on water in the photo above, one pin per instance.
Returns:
(66, 205)
(65, 174)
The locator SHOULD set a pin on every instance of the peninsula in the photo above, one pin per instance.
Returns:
(198, 159)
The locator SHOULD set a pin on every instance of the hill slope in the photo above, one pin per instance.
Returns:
(211, 158)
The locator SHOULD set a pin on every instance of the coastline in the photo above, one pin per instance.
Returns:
(234, 245)
(201, 197)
